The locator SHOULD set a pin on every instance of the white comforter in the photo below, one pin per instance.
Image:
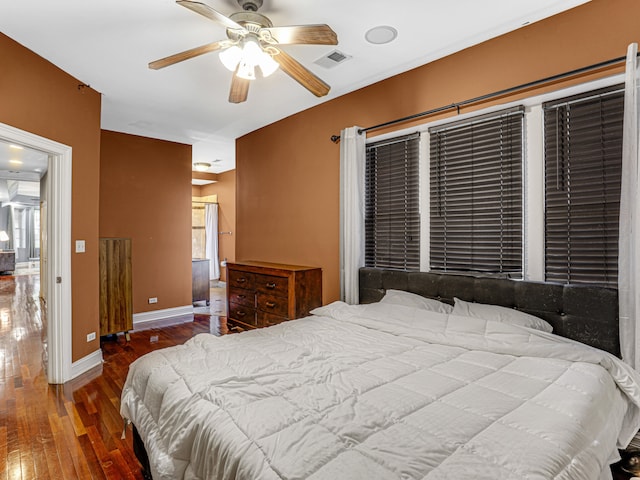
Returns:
(382, 392)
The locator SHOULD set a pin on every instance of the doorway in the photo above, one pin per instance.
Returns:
(56, 278)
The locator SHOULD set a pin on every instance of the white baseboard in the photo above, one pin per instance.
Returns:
(174, 315)
(86, 363)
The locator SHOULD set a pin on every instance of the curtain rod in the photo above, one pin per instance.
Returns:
(499, 93)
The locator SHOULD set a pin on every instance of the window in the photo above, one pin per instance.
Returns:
(20, 227)
(583, 163)
(476, 194)
(392, 214)
(197, 231)
(485, 210)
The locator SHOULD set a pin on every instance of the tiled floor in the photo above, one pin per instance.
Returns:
(27, 268)
(217, 303)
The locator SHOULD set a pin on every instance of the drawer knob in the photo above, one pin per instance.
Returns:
(270, 304)
(271, 285)
(242, 296)
(241, 280)
(241, 314)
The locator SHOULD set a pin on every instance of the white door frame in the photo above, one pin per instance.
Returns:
(59, 249)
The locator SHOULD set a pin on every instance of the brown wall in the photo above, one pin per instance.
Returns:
(288, 172)
(225, 189)
(145, 195)
(38, 97)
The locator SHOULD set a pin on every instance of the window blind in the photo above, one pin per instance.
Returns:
(392, 213)
(583, 164)
(476, 194)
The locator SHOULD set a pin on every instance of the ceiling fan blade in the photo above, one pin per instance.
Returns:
(186, 55)
(206, 11)
(239, 89)
(304, 34)
(300, 74)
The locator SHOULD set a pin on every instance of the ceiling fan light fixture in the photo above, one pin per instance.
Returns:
(246, 71)
(251, 52)
(201, 166)
(230, 57)
(252, 41)
(267, 64)
(245, 59)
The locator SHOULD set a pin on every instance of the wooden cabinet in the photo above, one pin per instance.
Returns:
(116, 311)
(260, 294)
(200, 280)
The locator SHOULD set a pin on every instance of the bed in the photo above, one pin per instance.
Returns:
(426, 379)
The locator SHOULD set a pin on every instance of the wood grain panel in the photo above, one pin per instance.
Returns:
(242, 313)
(267, 319)
(241, 279)
(272, 304)
(242, 297)
(272, 284)
(116, 311)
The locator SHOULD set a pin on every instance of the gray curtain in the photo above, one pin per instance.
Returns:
(352, 165)
(629, 240)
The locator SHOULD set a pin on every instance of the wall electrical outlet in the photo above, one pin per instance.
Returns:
(91, 336)
(80, 248)
(153, 300)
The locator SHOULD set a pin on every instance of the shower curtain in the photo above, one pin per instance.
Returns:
(211, 239)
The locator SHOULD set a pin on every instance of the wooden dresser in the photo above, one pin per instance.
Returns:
(200, 280)
(260, 294)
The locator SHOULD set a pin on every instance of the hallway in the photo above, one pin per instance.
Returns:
(69, 431)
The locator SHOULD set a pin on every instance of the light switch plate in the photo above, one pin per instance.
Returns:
(79, 246)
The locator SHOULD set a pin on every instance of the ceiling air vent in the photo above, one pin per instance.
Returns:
(332, 59)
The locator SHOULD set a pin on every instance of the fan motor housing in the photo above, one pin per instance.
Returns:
(247, 18)
(250, 5)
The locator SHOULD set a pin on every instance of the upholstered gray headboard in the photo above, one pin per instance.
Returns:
(583, 313)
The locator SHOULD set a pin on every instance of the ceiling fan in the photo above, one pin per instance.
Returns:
(253, 42)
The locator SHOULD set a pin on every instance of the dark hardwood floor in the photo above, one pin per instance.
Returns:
(70, 431)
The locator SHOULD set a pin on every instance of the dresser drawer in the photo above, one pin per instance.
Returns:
(241, 279)
(240, 296)
(272, 304)
(242, 314)
(267, 319)
(272, 284)
(260, 294)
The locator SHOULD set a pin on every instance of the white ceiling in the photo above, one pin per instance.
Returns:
(108, 44)
(21, 163)
(20, 172)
